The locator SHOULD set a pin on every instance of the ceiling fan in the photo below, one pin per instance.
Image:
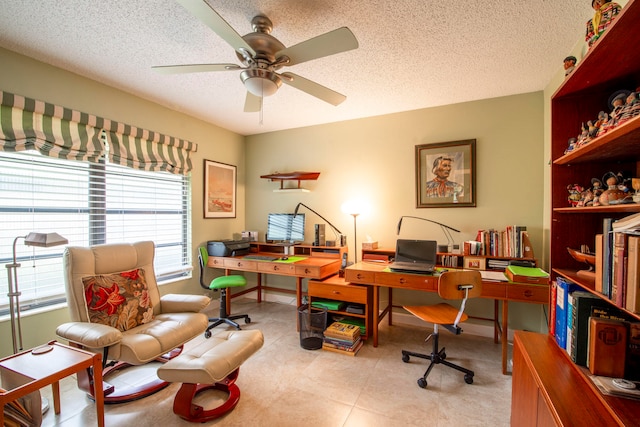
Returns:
(262, 55)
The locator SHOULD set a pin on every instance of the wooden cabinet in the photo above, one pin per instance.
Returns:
(338, 289)
(549, 390)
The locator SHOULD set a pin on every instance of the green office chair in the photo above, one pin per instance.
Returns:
(221, 283)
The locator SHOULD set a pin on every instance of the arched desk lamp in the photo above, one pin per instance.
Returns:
(340, 238)
(445, 230)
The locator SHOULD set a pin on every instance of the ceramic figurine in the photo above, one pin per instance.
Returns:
(596, 190)
(612, 195)
(605, 13)
(583, 138)
(603, 118)
(571, 145)
(627, 111)
(569, 64)
(575, 194)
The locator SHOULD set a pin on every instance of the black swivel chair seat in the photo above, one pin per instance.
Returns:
(221, 283)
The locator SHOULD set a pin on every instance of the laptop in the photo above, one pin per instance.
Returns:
(416, 256)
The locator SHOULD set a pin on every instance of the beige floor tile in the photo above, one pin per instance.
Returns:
(286, 385)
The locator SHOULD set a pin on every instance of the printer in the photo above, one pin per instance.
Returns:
(228, 247)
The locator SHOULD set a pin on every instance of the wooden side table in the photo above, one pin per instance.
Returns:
(35, 371)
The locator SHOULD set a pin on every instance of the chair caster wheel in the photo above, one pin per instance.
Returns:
(247, 320)
(207, 334)
(422, 383)
(405, 358)
(468, 378)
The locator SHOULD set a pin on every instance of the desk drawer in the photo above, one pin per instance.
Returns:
(215, 262)
(240, 264)
(407, 281)
(357, 276)
(528, 293)
(494, 290)
(307, 271)
(346, 292)
(277, 268)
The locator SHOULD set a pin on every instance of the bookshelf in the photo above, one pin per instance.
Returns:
(546, 384)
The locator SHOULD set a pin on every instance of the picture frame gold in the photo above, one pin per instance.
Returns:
(220, 186)
(446, 174)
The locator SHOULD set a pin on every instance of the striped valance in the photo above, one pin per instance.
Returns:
(27, 124)
(60, 132)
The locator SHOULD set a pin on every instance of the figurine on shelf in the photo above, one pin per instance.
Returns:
(597, 190)
(635, 184)
(575, 194)
(617, 102)
(613, 195)
(627, 111)
(571, 145)
(603, 118)
(569, 64)
(606, 11)
(583, 138)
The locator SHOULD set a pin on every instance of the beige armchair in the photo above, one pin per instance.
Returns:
(116, 309)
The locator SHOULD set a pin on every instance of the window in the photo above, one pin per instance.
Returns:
(89, 204)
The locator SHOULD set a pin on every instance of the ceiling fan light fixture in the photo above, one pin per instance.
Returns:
(260, 82)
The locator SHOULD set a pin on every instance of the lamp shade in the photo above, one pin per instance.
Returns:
(44, 240)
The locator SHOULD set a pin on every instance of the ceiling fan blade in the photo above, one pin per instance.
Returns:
(313, 88)
(252, 103)
(336, 41)
(194, 68)
(201, 10)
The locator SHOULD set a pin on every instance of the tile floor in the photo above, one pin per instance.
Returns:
(284, 385)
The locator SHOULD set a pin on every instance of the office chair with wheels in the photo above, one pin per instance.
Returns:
(451, 285)
(221, 283)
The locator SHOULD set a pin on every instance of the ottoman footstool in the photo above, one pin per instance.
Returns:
(213, 364)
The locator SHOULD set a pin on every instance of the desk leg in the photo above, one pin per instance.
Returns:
(496, 310)
(376, 313)
(505, 334)
(390, 313)
(259, 286)
(299, 291)
(99, 388)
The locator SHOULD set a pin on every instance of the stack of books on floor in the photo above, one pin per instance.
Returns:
(342, 338)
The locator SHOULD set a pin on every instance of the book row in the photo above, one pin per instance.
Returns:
(513, 242)
(617, 269)
(594, 333)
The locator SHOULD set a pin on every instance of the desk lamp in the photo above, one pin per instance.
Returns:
(43, 240)
(339, 236)
(445, 229)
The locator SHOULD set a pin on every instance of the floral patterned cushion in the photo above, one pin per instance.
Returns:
(120, 300)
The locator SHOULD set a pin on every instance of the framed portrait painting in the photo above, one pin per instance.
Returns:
(219, 190)
(446, 174)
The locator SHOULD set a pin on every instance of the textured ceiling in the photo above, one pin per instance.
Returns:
(413, 53)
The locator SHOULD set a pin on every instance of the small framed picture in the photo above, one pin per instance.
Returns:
(219, 190)
(446, 174)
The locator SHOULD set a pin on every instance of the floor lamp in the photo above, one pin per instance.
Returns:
(44, 240)
(354, 209)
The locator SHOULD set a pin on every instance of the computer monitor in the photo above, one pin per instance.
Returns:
(285, 227)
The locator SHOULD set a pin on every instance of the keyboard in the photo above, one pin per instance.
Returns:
(262, 257)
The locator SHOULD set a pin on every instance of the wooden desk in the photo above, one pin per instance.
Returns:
(309, 267)
(34, 371)
(374, 274)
